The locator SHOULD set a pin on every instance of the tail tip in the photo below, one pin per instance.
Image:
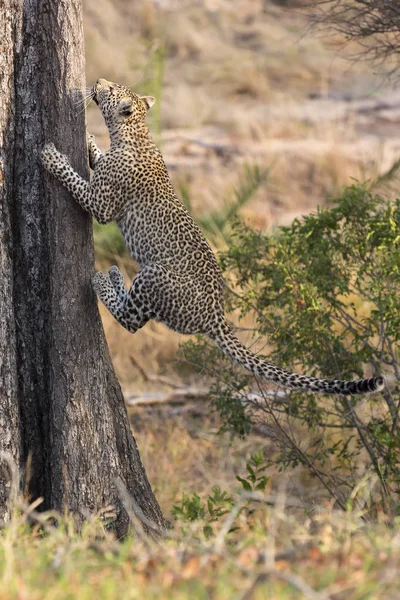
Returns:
(367, 386)
(378, 384)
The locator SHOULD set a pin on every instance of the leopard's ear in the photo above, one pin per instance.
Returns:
(148, 100)
(125, 107)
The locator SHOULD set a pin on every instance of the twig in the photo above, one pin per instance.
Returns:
(367, 445)
(149, 377)
(304, 458)
(6, 457)
(43, 519)
(294, 553)
(219, 149)
(134, 511)
(175, 397)
(271, 500)
(294, 580)
(180, 395)
(223, 532)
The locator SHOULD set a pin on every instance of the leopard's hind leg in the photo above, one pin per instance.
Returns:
(111, 291)
(181, 302)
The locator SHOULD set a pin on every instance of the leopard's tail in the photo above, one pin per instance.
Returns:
(239, 354)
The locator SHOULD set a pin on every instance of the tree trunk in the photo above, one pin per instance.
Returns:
(74, 425)
(9, 412)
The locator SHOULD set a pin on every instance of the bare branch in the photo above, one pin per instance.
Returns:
(374, 24)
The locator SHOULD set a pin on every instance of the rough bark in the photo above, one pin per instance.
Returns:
(9, 414)
(74, 425)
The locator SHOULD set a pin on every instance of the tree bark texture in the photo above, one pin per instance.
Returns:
(74, 427)
(9, 410)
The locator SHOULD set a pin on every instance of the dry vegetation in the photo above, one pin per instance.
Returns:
(249, 83)
(329, 557)
(285, 549)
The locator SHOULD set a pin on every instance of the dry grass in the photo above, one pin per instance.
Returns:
(281, 550)
(183, 452)
(237, 74)
(285, 549)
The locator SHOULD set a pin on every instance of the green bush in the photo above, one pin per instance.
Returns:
(220, 503)
(191, 508)
(325, 293)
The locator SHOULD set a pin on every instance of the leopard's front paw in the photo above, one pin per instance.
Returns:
(52, 159)
(93, 151)
(90, 139)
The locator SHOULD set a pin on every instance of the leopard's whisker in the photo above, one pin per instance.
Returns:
(78, 94)
(85, 105)
(138, 80)
(82, 99)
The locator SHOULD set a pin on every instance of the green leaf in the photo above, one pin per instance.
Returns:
(245, 484)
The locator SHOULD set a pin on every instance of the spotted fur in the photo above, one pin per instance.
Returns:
(180, 282)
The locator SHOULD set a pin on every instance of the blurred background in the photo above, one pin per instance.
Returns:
(257, 114)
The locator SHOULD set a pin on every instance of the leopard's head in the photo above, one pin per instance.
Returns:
(119, 105)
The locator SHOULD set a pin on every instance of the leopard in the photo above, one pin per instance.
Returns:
(179, 282)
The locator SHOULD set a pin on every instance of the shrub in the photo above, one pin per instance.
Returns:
(220, 503)
(325, 292)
